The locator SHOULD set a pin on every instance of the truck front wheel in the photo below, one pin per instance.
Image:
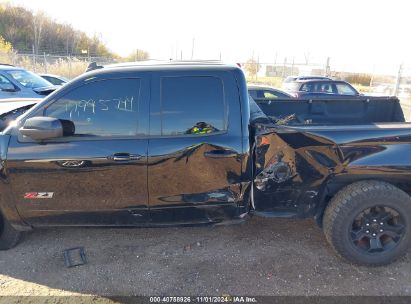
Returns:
(369, 223)
(9, 237)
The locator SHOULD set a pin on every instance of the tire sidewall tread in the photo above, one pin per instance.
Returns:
(353, 199)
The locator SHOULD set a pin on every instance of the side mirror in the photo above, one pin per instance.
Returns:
(7, 87)
(39, 128)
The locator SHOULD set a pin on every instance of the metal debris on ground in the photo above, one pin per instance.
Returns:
(75, 256)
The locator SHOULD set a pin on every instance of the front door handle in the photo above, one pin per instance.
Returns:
(220, 153)
(124, 157)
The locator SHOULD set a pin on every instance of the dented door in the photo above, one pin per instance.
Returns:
(195, 149)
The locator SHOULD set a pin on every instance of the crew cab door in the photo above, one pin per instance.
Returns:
(195, 147)
(98, 176)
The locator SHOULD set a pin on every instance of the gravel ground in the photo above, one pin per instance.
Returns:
(259, 257)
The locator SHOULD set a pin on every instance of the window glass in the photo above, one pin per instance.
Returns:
(192, 105)
(259, 94)
(317, 87)
(345, 89)
(270, 95)
(324, 88)
(308, 87)
(4, 80)
(275, 94)
(54, 80)
(29, 79)
(101, 108)
(253, 93)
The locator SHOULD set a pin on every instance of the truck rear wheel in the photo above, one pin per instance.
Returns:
(369, 223)
(9, 237)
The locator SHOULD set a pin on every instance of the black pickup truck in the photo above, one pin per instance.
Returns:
(182, 143)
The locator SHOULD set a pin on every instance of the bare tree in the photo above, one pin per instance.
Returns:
(137, 55)
(38, 21)
(307, 57)
(252, 67)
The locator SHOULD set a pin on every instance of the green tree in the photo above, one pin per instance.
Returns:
(6, 50)
(26, 30)
(5, 47)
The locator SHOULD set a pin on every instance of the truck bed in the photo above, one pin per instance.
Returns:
(346, 111)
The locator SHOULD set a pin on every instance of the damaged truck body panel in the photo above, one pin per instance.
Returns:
(183, 143)
(299, 168)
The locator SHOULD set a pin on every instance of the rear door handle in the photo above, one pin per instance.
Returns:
(220, 153)
(124, 157)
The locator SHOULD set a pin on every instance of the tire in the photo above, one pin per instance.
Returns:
(350, 224)
(9, 237)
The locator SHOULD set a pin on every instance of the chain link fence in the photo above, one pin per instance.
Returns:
(378, 82)
(68, 66)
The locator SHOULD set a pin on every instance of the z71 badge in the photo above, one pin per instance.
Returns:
(39, 195)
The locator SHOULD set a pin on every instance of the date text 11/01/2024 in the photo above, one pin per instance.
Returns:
(204, 299)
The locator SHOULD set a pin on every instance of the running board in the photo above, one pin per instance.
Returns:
(278, 214)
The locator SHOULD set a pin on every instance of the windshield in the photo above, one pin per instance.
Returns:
(29, 79)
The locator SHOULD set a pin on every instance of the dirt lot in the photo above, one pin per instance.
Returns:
(260, 257)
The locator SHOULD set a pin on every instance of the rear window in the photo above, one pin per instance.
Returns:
(317, 87)
(192, 105)
(345, 89)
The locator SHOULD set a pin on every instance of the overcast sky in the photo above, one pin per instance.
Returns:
(356, 34)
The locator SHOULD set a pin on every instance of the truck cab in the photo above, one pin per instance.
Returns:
(142, 145)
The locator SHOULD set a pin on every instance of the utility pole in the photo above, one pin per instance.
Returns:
(176, 56)
(274, 70)
(192, 50)
(45, 62)
(34, 59)
(307, 57)
(372, 76)
(70, 69)
(398, 80)
(283, 71)
(327, 67)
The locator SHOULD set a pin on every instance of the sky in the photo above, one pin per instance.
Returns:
(357, 35)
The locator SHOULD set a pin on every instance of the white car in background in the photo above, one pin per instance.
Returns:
(12, 108)
(55, 79)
